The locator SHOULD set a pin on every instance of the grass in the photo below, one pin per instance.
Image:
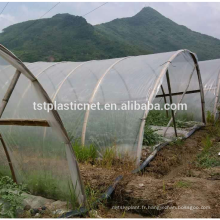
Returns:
(210, 118)
(182, 184)
(177, 142)
(85, 153)
(73, 197)
(44, 185)
(49, 186)
(4, 171)
(92, 196)
(207, 143)
(164, 187)
(108, 157)
(209, 155)
(157, 118)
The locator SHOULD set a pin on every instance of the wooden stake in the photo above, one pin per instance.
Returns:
(185, 92)
(25, 122)
(165, 100)
(9, 91)
(171, 101)
(9, 159)
(179, 93)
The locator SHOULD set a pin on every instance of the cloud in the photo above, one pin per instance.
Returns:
(6, 20)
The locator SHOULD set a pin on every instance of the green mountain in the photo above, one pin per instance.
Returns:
(62, 37)
(68, 37)
(155, 33)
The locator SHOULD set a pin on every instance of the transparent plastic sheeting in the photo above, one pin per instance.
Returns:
(41, 156)
(183, 77)
(40, 153)
(113, 81)
(210, 71)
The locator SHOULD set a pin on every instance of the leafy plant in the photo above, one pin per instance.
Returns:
(157, 118)
(151, 137)
(11, 196)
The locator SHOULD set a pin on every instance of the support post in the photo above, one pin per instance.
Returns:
(171, 101)
(179, 93)
(9, 91)
(165, 100)
(9, 159)
(181, 99)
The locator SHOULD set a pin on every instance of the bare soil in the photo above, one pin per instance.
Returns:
(172, 186)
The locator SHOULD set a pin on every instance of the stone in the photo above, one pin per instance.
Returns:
(58, 212)
(35, 201)
(37, 215)
(58, 205)
(93, 214)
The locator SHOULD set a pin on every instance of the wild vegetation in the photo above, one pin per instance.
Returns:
(86, 153)
(151, 137)
(10, 197)
(209, 154)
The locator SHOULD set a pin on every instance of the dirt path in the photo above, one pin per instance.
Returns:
(171, 187)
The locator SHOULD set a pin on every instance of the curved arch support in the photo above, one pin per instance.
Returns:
(58, 124)
(217, 96)
(68, 75)
(154, 91)
(28, 87)
(92, 97)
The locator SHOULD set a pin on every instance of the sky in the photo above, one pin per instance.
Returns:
(200, 17)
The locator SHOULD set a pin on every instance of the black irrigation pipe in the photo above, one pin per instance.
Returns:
(84, 210)
(111, 189)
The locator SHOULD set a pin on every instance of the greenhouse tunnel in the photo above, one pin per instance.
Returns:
(32, 158)
(171, 77)
(210, 73)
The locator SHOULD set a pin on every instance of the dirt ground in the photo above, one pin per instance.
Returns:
(172, 186)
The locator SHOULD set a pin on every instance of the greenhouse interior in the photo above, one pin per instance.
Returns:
(38, 145)
(210, 72)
